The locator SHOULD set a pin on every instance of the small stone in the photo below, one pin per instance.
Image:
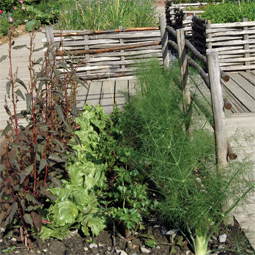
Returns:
(86, 248)
(248, 251)
(134, 254)
(158, 247)
(17, 252)
(109, 248)
(93, 245)
(1, 240)
(38, 252)
(163, 231)
(101, 245)
(129, 245)
(153, 220)
(222, 238)
(120, 252)
(2, 229)
(145, 250)
(156, 226)
(45, 250)
(13, 239)
(171, 232)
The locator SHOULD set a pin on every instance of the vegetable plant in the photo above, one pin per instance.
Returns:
(181, 166)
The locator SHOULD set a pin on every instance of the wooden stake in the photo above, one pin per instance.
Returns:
(183, 62)
(164, 41)
(217, 106)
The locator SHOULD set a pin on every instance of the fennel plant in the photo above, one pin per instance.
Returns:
(182, 166)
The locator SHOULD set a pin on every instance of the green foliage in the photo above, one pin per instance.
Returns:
(181, 166)
(108, 14)
(4, 25)
(229, 12)
(7, 5)
(32, 25)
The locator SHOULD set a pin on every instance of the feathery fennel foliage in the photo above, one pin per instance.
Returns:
(181, 166)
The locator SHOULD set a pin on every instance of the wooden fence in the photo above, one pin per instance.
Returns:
(212, 81)
(106, 54)
(177, 15)
(234, 42)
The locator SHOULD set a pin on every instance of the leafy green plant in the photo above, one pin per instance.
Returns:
(108, 14)
(229, 12)
(181, 166)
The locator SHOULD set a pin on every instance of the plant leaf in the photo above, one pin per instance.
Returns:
(37, 219)
(43, 163)
(50, 195)
(13, 211)
(30, 198)
(25, 173)
(7, 129)
(22, 83)
(19, 46)
(28, 219)
(41, 48)
(56, 158)
(7, 110)
(38, 61)
(3, 58)
(20, 94)
(8, 87)
(28, 101)
(58, 143)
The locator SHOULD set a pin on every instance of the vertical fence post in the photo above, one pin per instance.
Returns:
(208, 34)
(217, 107)
(246, 45)
(164, 41)
(49, 34)
(183, 63)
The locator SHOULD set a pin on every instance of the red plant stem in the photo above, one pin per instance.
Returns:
(12, 85)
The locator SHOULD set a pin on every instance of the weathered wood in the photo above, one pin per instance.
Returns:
(227, 104)
(49, 34)
(248, 76)
(208, 36)
(136, 45)
(239, 93)
(245, 85)
(234, 24)
(58, 34)
(221, 38)
(232, 155)
(237, 42)
(237, 68)
(183, 63)
(229, 32)
(164, 37)
(217, 106)
(246, 46)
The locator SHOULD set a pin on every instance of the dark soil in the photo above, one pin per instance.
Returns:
(109, 243)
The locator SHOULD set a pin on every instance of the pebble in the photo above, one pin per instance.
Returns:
(120, 252)
(93, 245)
(156, 226)
(158, 247)
(171, 232)
(86, 248)
(145, 250)
(13, 239)
(45, 250)
(134, 254)
(222, 238)
(1, 240)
